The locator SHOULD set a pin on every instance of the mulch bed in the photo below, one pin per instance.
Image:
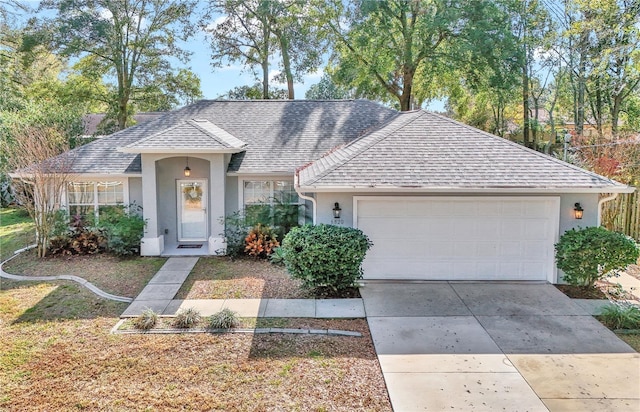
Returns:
(581, 292)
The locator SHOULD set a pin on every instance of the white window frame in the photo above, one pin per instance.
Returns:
(96, 205)
(258, 178)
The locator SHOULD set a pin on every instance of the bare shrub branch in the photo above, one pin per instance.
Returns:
(40, 175)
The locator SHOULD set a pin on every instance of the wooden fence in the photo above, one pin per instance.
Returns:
(623, 214)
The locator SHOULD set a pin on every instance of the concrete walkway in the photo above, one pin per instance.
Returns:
(159, 293)
(496, 346)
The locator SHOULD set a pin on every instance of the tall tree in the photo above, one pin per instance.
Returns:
(256, 33)
(132, 42)
(241, 36)
(385, 45)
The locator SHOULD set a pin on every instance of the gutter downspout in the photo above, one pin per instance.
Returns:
(296, 186)
(600, 203)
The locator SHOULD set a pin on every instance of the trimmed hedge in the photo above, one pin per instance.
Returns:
(589, 254)
(325, 255)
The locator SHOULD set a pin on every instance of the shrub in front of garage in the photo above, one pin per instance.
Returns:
(587, 255)
(325, 256)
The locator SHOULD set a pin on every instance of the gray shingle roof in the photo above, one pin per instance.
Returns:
(424, 150)
(196, 135)
(281, 135)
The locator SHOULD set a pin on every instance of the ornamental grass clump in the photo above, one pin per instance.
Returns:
(146, 320)
(621, 316)
(325, 256)
(225, 319)
(187, 318)
(587, 255)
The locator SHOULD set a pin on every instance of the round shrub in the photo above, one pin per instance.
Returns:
(325, 255)
(586, 255)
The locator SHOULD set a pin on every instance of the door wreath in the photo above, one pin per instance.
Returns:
(192, 194)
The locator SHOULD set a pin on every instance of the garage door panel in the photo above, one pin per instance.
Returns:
(459, 238)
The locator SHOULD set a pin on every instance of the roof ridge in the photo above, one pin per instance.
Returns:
(161, 132)
(524, 148)
(375, 141)
(195, 123)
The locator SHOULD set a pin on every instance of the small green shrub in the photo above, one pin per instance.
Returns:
(621, 316)
(235, 232)
(147, 320)
(123, 228)
(187, 318)
(277, 257)
(325, 255)
(260, 241)
(589, 254)
(225, 319)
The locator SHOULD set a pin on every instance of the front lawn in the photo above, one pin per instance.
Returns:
(223, 278)
(124, 277)
(16, 231)
(57, 354)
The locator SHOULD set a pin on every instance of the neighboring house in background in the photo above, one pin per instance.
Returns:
(440, 200)
(91, 122)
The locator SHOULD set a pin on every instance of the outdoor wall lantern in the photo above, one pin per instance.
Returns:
(577, 211)
(336, 211)
(187, 170)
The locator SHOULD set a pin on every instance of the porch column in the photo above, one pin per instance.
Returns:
(217, 179)
(152, 242)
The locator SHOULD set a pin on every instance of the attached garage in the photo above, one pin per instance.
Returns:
(459, 238)
(444, 201)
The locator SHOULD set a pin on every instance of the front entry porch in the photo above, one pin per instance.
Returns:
(183, 213)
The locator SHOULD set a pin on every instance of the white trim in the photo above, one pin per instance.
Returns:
(179, 202)
(552, 269)
(456, 190)
(125, 192)
(259, 177)
(87, 176)
(179, 150)
(267, 174)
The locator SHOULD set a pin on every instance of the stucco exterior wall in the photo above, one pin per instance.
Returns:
(588, 201)
(135, 190)
(231, 196)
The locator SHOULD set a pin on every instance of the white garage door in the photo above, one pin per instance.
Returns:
(459, 238)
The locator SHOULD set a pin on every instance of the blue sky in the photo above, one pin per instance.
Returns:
(217, 81)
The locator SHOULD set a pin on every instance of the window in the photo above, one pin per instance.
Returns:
(89, 198)
(274, 201)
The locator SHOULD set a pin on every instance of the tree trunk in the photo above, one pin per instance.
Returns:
(405, 97)
(525, 105)
(265, 63)
(286, 63)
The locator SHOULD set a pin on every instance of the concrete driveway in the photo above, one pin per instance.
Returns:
(496, 346)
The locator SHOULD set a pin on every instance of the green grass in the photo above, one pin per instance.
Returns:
(16, 231)
(632, 340)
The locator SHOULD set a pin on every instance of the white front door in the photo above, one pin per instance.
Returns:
(192, 210)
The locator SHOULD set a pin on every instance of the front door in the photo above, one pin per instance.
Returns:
(192, 210)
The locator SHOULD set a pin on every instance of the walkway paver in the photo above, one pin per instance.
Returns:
(519, 347)
(162, 288)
